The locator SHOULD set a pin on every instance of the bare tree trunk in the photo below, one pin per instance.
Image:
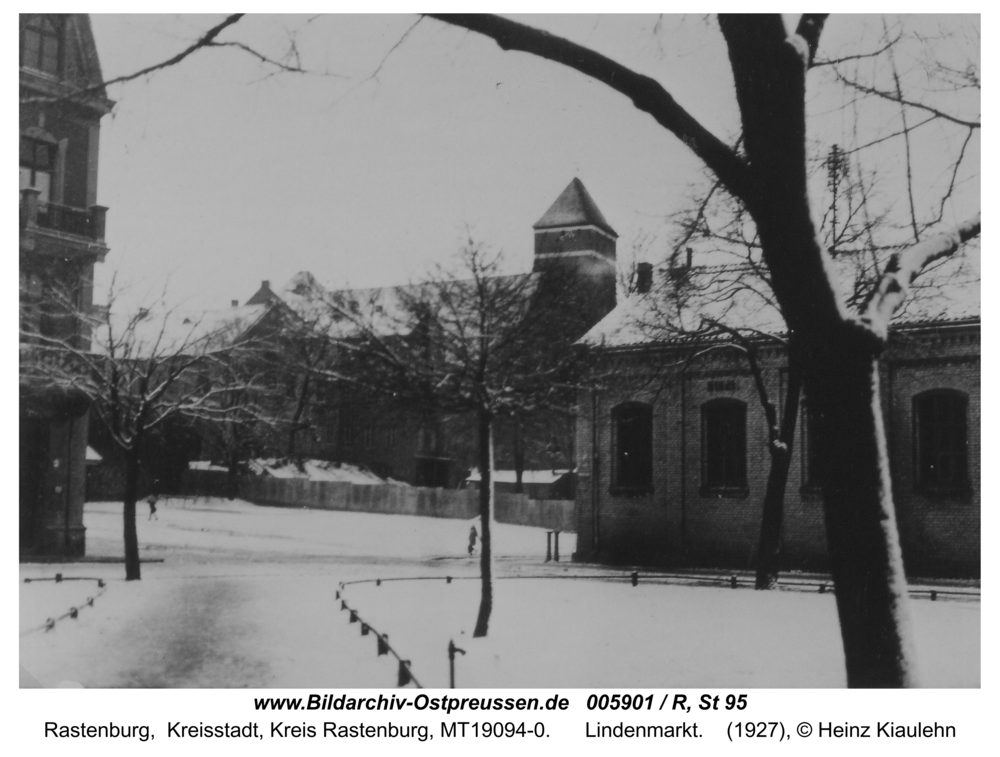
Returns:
(842, 383)
(300, 406)
(780, 449)
(518, 457)
(132, 572)
(485, 434)
(769, 550)
(232, 475)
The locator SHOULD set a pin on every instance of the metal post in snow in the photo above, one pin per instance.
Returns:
(451, 661)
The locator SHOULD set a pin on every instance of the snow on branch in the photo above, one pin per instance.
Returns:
(809, 29)
(904, 266)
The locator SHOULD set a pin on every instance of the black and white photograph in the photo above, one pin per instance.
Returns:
(579, 351)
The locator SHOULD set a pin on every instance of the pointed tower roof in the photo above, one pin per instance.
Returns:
(574, 207)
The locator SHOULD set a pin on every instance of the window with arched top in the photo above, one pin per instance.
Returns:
(941, 441)
(724, 447)
(632, 442)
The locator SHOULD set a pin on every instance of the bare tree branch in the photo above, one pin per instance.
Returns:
(646, 93)
(898, 98)
(905, 266)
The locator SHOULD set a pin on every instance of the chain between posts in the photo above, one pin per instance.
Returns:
(405, 675)
(72, 612)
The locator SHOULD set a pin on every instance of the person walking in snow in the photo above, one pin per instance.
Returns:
(152, 500)
(473, 535)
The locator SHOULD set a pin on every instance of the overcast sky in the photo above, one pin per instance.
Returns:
(219, 174)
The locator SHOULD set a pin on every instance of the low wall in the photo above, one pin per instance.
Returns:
(390, 499)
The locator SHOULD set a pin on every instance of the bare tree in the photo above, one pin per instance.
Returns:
(469, 341)
(247, 410)
(857, 231)
(139, 371)
(770, 177)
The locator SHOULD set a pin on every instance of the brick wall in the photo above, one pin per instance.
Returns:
(681, 524)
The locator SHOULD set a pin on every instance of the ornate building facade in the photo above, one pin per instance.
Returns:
(62, 101)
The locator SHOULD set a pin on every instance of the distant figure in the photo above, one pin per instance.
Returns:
(152, 500)
(473, 535)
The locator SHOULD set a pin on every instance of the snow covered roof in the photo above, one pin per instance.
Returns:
(574, 207)
(204, 465)
(680, 301)
(385, 309)
(164, 332)
(527, 477)
(317, 470)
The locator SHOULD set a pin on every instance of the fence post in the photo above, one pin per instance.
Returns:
(548, 546)
(451, 660)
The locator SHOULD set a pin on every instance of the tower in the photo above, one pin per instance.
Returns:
(574, 231)
(575, 253)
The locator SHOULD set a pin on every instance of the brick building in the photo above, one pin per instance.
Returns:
(672, 448)
(62, 102)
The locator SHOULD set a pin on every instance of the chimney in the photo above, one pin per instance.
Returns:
(643, 278)
(690, 253)
(265, 284)
(236, 303)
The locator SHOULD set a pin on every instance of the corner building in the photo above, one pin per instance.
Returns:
(62, 101)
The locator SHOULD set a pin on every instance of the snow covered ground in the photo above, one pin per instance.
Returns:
(236, 595)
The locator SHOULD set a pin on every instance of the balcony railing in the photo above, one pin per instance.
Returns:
(79, 222)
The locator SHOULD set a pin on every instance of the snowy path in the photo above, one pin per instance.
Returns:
(242, 596)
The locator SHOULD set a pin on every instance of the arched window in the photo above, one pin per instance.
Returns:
(632, 442)
(41, 43)
(724, 447)
(941, 442)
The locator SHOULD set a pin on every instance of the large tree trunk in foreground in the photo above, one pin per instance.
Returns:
(842, 383)
(128, 515)
(839, 356)
(485, 434)
(840, 369)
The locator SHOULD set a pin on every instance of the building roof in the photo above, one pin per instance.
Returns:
(679, 302)
(162, 333)
(388, 310)
(574, 207)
